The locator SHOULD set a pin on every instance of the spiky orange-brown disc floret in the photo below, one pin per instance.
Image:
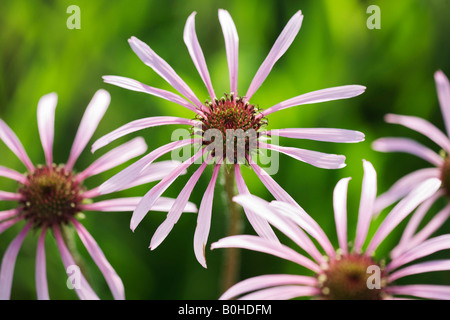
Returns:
(231, 113)
(347, 277)
(50, 196)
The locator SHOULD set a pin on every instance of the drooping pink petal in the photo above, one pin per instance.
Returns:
(165, 204)
(12, 174)
(423, 267)
(114, 158)
(14, 144)
(317, 159)
(319, 134)
(280, 46)
(266, 281)
(129, 204)
(9, 262)
(154, 172)
(9, 196)
(112, 205)
(413, 224)
(274, 188)
(174, 212)
(435, 223)
(306, 222)
(112, 278)
(416, 219)
(293, 209)
(422, 126)
(402, 210)
(426, 291)
(256, 243)
(8, 223)
(443, 91)
(231, 46)
(135, 85)
(92, 193)
(196, 53)
(260, 225)
(137, 125)
(150, 197)
(91, 118)
(282, 293)
(46, 124)
(407, 146)
(403, 186)
(204, 219)
(340, 212)
(366, 204)
(41, 269)
(329, 94)
(8, 214)
(424, 249)
(127, 176)
(84, 290)
(296, 234)
(161, 67)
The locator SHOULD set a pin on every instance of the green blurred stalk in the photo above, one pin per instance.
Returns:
(231, 266)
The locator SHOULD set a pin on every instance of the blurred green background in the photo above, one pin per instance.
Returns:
(39, 54)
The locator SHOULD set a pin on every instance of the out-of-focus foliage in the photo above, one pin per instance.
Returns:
(39, 54)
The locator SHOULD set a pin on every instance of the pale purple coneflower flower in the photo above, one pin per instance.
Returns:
(349, 272)
(50, 196)
(441, 169)
(232, 112)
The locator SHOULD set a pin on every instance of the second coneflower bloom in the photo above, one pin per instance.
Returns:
(50, 198)
(217, 117)
(350, 272)
(440, 162)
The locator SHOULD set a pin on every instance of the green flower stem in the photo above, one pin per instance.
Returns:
(231, 265)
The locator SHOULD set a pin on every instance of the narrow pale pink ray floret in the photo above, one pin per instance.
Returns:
(231, 113)
(440, 166)
(351, 272)
(51, 197)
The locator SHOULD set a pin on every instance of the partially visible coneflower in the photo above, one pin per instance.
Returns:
(50, 197)
(441, 163)
(348, 273)
(233, 113)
